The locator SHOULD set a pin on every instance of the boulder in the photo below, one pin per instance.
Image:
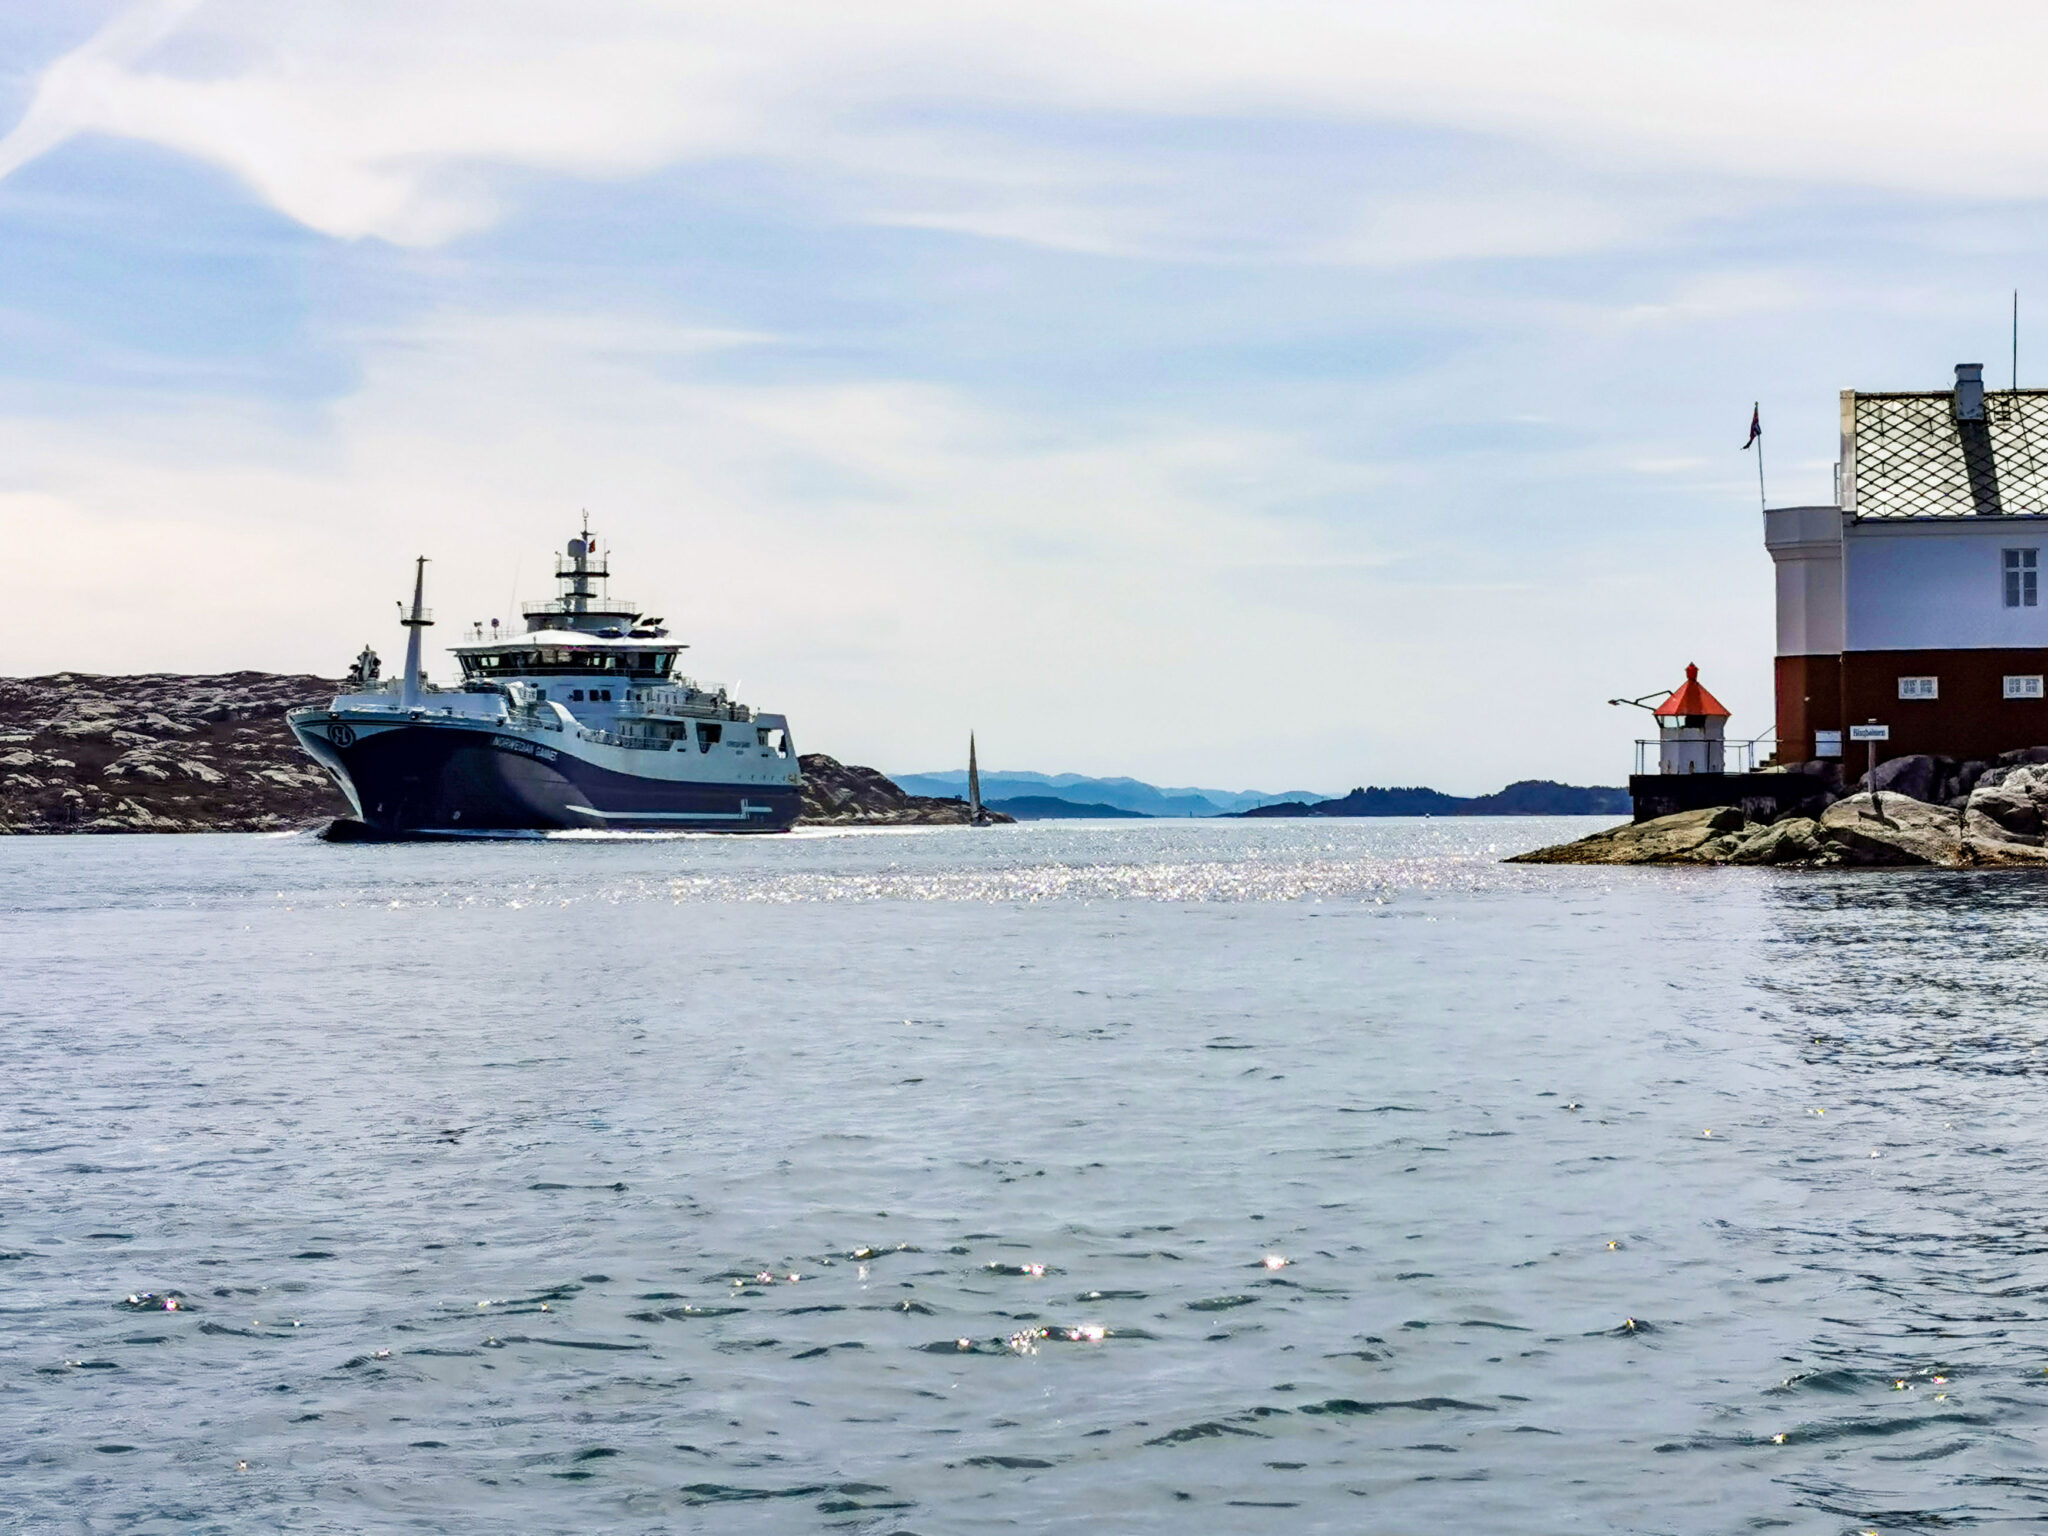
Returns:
(1795, 840)
(1892, 829)
(2009, 803)
(1913, 776)
(1680, 839)
(1942, 784)
(1968, 775)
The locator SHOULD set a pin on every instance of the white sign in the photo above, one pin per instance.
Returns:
(1870, 733)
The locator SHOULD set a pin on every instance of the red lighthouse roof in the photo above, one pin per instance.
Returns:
(1691, 699)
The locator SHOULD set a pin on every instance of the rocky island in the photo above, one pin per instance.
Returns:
(1924, 811)
(1525, 797)
(168, 753)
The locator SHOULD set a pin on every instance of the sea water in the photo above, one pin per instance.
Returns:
(1226, 1176)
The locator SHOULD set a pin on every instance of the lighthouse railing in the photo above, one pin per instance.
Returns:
(1733, 756)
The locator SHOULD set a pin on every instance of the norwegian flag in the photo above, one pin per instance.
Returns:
(1756, 425)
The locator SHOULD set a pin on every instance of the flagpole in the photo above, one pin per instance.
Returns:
(1756, 415)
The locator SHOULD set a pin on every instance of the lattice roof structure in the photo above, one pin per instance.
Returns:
(1906, 455)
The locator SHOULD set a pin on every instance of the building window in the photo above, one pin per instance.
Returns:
(2023, 687)
(1919, 687)
(2022, 578)
(1827, 743)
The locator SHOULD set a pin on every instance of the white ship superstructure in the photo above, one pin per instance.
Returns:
(580, 721)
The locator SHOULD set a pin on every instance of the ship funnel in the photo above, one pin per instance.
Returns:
(1969, 391)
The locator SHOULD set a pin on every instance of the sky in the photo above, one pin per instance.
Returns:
(1279, 395)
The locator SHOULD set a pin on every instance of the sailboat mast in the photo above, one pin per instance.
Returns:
(414, 622)
(973, 781)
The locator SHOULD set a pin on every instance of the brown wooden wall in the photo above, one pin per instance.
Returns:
(1971, 719)
(1809, 693)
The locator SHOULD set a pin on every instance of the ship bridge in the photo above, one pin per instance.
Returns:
(555, 652)
(581, 632)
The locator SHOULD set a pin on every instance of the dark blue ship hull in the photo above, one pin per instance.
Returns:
(415, 781)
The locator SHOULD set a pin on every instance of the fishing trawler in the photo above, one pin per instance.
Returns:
(582, 722)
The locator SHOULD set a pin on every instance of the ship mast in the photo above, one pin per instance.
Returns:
(414, 622)
(583, 568)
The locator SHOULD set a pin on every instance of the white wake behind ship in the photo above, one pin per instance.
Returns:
(582, 722)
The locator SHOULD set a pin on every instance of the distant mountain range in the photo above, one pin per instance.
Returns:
(1132, 796)
(1066, 796)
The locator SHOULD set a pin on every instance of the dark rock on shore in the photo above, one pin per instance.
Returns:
(164, 753)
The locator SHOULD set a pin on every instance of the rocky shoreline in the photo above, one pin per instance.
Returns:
(167, 753)
(1996, 819)
(840, 794)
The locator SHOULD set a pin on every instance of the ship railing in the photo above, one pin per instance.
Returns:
(1709, 756)
(596, 603)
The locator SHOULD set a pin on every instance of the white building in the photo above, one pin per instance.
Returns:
(1916, 602)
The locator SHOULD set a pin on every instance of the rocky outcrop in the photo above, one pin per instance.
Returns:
(159, 753)
(840, 794)
(1974, 815)
(1679, 839)
(2002, 823)
(163, 753)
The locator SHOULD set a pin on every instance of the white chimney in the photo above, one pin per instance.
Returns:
(1969, 391)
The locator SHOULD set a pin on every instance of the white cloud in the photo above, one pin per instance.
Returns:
(400, 119)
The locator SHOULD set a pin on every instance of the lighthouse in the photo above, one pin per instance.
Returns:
(1690, 726)
(1692, 771)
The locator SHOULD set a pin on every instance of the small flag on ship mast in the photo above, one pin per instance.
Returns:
(1756, 439)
